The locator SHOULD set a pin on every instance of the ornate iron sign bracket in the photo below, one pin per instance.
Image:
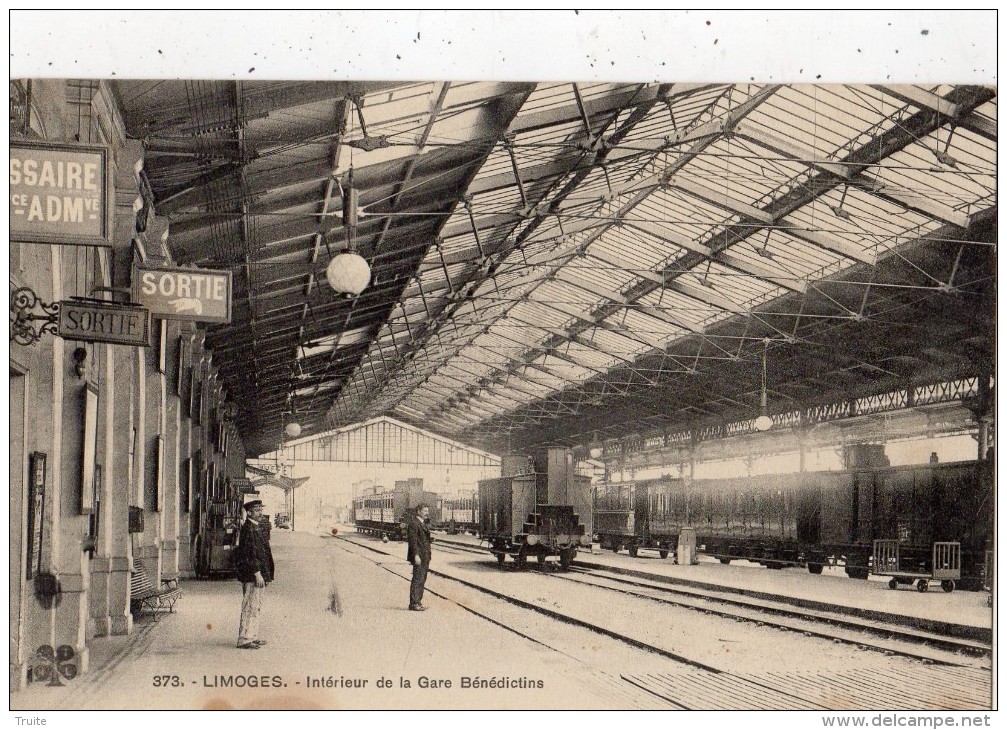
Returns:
(23, 317)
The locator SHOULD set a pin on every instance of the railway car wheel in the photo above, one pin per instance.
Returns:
(633, 551)
(725, 561)
(521, 560)
(947, 586)
(541, 559)
(815, 568)
(566, 557)
(501, 556)
(922, 585)
(893, 584)
(663, 552)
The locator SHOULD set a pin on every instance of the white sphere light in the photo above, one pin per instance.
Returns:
(348, 273)
(763, 423)
(596, 452)
(293, 430)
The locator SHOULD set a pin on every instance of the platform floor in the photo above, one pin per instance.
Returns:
(372, 637)
(336, 623)
(966, 609)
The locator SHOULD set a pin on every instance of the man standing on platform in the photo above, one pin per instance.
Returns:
(254, 563)
(419, 554)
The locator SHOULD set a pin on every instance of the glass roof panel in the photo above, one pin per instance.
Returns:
(567, 371)
(691, 311)
(592, 357)
(615, 343)
(646, 325)
(561, 292)
(633, 248)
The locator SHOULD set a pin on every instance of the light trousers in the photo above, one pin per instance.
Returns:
(251, 602)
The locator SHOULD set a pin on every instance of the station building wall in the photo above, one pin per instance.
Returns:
(151, 461)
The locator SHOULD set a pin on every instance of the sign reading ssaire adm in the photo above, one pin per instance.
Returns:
(59, 193)
(197, 295)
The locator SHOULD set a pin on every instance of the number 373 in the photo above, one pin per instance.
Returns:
(167, 680)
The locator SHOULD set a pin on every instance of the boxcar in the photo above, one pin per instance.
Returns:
(516, 518)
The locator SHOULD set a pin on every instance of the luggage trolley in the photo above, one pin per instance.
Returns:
(945, 565)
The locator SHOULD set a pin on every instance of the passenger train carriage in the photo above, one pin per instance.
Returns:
(383, 512)
(459, 512)
(811, 518)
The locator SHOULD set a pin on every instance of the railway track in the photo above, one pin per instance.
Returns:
(885, 637)
(635, 696)
(724, 689)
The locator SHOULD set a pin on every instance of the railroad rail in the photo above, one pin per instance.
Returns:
(746, 692)
(692, 594)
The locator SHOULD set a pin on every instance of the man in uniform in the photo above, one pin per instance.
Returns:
(419, 554)
(254, 564)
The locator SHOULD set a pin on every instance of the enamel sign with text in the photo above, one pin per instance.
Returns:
(91, 320)
(197, 295)
(59, 193)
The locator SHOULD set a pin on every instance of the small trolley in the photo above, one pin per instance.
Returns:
(944, 564)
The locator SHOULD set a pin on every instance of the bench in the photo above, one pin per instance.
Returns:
(143, 594)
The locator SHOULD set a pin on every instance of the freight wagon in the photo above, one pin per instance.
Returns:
(537, 514)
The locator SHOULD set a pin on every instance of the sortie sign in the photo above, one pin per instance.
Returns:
(59, 193)
(197, 295)
(96, 321)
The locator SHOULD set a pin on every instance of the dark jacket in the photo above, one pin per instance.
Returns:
(419, 539)
(253, 554)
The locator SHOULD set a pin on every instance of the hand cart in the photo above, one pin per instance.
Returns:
(945, 565)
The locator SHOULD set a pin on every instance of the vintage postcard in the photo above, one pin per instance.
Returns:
(341, 385)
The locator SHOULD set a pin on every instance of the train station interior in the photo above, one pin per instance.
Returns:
(698, 380)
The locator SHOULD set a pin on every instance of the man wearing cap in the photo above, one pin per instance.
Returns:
(254, 563)
(418, 555)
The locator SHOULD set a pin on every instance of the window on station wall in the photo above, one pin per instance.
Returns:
(393, 444)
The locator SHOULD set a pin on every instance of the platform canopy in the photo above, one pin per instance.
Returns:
(562, 263)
